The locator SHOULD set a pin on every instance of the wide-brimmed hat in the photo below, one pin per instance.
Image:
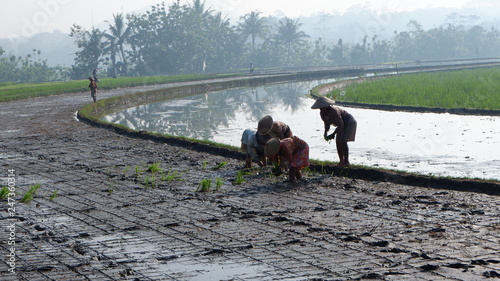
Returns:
(272, 147)
(265, 125)
(322, 102)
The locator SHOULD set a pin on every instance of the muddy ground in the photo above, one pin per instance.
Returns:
(103, 212)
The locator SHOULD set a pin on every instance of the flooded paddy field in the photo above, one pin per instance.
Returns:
(426, 143)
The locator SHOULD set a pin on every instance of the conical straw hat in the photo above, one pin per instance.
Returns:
(272, 147)
(322, 102)
(265, 125)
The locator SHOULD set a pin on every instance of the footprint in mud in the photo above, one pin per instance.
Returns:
(379, 243)
(491, 274)
(429, 267)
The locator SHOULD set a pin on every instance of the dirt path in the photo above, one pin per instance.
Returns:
(107, 222)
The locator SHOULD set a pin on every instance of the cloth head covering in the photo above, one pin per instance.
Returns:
(272, 147)
(322, 102)
(265, 125)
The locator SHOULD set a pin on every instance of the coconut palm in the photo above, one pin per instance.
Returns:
(289, 34)
(199, 9)
(117, 37)
(253, 26)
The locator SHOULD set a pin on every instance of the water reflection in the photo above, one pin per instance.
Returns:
(439, 144)
(206, 116)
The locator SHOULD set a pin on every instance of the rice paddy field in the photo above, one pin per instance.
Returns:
(474, 89)
(23, 91)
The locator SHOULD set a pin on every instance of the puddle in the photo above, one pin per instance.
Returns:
(426, 143)
(140, 250)
(202, 271)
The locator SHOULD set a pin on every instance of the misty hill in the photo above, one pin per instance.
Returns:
(357, 22)
(56, 47)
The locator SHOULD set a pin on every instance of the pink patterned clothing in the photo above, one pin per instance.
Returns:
(296, 151)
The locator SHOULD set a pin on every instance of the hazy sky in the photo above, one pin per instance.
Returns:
(27, 17)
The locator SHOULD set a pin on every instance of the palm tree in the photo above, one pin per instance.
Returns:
(253, 25)
(117, 37)
(289, 34)
(199, 9)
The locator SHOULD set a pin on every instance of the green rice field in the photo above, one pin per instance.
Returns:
(23, 91)
(474, 89)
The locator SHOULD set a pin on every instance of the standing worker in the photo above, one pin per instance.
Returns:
(93, 89)
(345, 123)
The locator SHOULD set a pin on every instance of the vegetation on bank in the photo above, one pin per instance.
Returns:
(10, 92)
(473, 89)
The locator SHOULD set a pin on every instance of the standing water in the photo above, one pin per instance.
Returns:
(426, 143)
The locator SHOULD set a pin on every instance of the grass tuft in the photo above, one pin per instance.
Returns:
(204, 185)
(4, 192)
(28, 196)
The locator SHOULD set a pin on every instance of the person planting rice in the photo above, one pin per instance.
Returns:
(345, 123)
(267, 126)
(252, 144)
(291, 153)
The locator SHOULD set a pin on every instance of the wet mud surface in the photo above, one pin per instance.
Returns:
(116, 217)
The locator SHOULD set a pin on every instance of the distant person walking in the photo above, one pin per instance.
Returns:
(93, 89)
(345, 123)
(95, 75)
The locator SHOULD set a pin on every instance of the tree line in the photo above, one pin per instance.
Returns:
(192, 38)
(30, 68)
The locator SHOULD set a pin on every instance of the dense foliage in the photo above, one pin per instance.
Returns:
(28, 69)
(191, 38)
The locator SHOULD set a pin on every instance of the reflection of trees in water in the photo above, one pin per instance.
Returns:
(200, 116)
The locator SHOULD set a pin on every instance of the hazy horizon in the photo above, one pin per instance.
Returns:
(350, 22)
(26, 19)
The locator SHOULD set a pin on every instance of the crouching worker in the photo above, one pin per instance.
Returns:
(291, 153)
(253, 145)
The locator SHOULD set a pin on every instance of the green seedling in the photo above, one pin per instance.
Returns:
(53, 196)
(204, 185)
(108, 172)
(137, 171)
(28, 196)
(154, 168)
(150, 181)
(239, 177)
(171, 176)
(125, 171)
(4, 192)
(220, 165)
(218, 183)
(111, 187)
(204, 165)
